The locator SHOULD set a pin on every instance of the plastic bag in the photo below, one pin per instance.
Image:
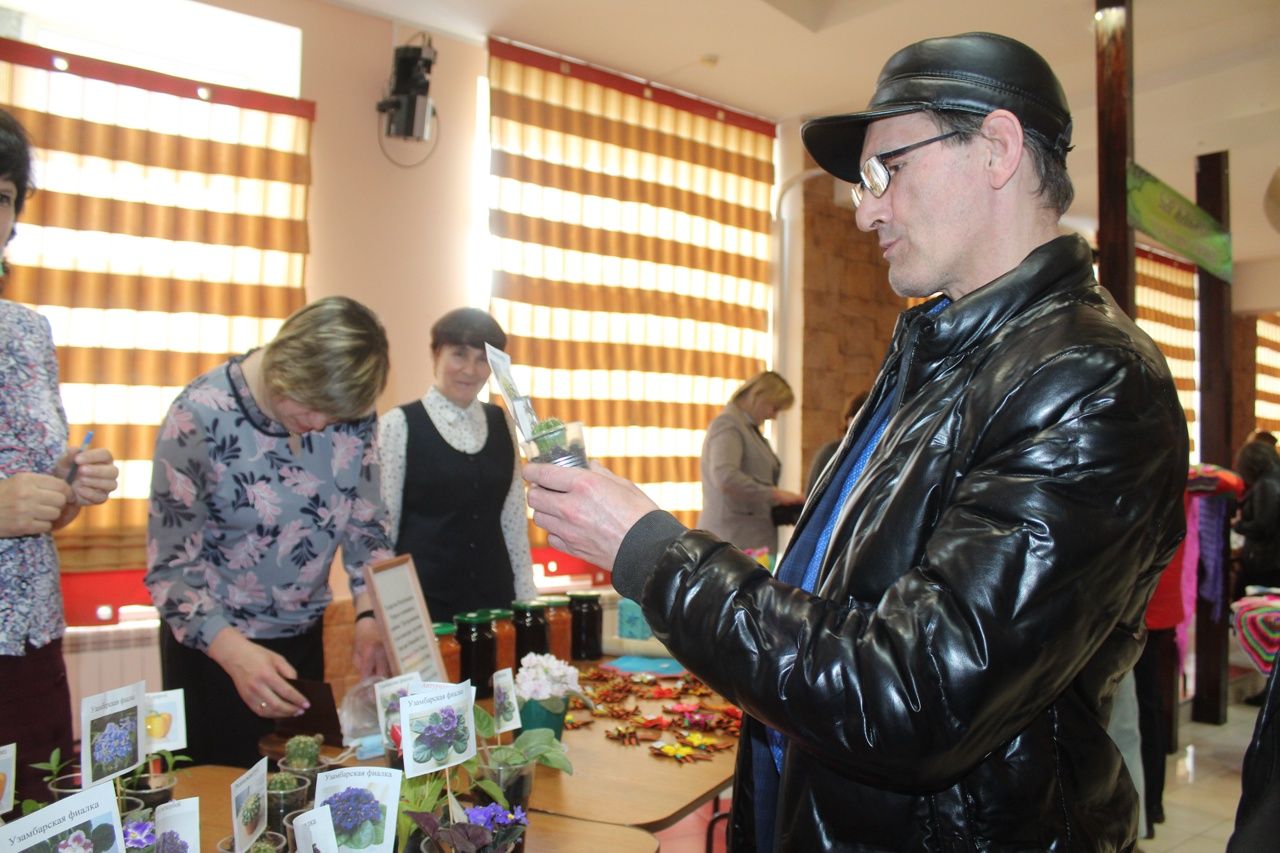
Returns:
(359, 718)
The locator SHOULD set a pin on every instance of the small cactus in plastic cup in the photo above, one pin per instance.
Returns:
(557, 443)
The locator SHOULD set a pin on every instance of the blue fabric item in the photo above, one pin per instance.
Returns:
(810, 553)
(1213, 529)
(765, 790)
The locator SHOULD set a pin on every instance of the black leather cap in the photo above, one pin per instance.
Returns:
(973, 73)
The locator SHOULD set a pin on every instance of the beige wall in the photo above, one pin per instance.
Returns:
(391, 237)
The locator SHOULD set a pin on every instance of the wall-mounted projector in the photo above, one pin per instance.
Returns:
(407, 105)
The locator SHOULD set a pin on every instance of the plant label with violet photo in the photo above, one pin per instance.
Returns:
(438, 727)
(112, 732)
(178, 826)
(387, 695)
(506, 713)
(87, 821)
(363, 802)
(248, 806)
(313, 831)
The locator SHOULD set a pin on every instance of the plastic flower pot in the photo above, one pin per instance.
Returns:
(277, 841)
(515, 781)
(288, 828)
(129, 805)
(65, 785)
(152, 788)
(536, 715)
(283, 800)
(563, 445)
(308, 773)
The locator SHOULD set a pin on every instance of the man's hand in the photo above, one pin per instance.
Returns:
(259, 675)
(367, 653)
(95, 478)
(31, 504)
(585, 512)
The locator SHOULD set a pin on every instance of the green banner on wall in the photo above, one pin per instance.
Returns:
(1158, 209)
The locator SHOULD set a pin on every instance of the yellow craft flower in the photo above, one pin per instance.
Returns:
(699, 739)
(676, 750)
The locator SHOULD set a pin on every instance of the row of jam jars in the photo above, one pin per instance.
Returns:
(587, 625)
(477, 647)
(504, 631)
(450, 651)
(532, 637)
(559, 625)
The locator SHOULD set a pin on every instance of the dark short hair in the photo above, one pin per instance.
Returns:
(15, 158)
(468, 327)
(1055, 184)
(1255, 459)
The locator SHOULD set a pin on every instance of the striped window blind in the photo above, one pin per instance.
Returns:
(168, 232)
(1168, 307)
(1267, 402)
(631, 252)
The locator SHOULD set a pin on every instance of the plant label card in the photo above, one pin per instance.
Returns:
(363, 802)
(438, 727)
(178, 824)
(8, 761)
(401, 611)
(112, 732)
(87, 821)
(387, 695)
(166, 721)
(519, 406)
(506, 716)
(248, 806)
(313, 831)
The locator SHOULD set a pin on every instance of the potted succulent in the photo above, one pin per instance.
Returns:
(302, 757)
(286, 792)
(250, 812)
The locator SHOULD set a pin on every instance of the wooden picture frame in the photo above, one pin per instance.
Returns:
(407, 632)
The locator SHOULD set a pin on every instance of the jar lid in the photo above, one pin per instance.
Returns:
(443, 628)
(499, 613)
(475, 617)
(583, 595)
(554, 600)
(528, 605)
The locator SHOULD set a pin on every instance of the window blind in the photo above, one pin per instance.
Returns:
(168, 232)
(630, 233)
(1167, 303)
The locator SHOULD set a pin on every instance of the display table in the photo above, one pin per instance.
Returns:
(628, 785)
(546, 833)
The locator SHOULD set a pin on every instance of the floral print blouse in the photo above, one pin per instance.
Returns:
(241, 531)
(33, 437)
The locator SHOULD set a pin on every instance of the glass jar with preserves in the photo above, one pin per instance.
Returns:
(559, 625)
(477, 650)
(588, 625)
(530, 618)
(505, 634)
(450, 651)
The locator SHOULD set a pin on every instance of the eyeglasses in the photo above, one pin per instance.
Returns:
(876, 175)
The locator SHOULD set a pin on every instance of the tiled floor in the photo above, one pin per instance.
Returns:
(1202, 789)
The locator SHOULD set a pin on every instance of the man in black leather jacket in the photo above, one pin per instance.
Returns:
(933, 666)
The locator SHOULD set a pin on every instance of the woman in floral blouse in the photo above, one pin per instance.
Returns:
(265, 466)
(35, 499)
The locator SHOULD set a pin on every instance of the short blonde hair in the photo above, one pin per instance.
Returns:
(330, 356)
(768, 386)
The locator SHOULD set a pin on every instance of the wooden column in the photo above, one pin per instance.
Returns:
(1213, 618)
(1113, 28)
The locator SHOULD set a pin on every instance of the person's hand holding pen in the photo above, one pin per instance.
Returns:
(91, 472)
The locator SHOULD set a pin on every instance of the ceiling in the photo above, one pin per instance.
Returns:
(1206, 75)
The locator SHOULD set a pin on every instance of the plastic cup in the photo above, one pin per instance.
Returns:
(275, 839)
(563, 446)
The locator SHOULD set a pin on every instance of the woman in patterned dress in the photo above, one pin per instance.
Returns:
(451, 482)
(35, 499)
(264, 467)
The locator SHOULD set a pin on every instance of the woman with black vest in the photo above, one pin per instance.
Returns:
(451, 482)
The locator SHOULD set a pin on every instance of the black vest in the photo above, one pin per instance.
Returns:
(451, 515)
